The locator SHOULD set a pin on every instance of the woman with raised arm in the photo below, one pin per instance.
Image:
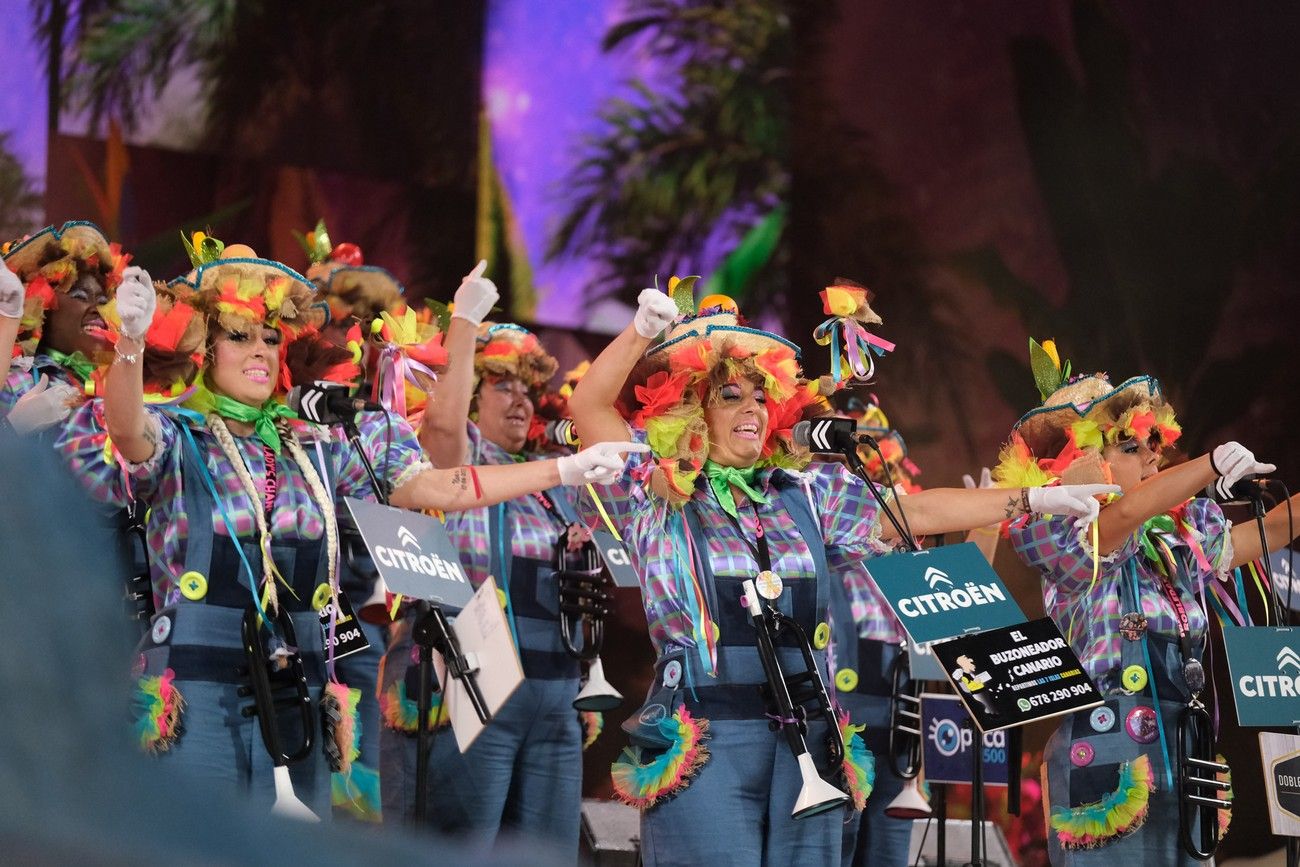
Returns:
(720, 502)
(51, 293)
(523, 774)
(1130, 599)
(242, 517)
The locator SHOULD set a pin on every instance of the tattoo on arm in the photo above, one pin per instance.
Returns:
(1012, 508)
(460, 479)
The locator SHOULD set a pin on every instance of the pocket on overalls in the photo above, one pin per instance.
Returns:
(156, 704)
(1108, 800)
(399, 685)
(667, 742)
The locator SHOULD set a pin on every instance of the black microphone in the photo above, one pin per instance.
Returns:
(1248, 489)
(327, 403)
(562, 433)
(830, 435)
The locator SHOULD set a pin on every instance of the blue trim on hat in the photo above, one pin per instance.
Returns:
(371, 269)
(1153, 389)
(56, 234)
(708, 332)
(219, 263)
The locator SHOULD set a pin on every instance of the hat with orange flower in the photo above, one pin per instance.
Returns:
(1080, 416)
(348, 285)
(509, 351)
(707, 347)
(53, 260)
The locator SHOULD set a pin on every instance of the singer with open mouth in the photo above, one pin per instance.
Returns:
(1129, 595)
(720, 512)
(523, 774)
(242, 500)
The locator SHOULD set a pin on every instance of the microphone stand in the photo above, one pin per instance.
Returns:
(432, 631)
(850, 452)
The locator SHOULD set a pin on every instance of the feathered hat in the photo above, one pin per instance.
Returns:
(239, 290)
(1080, 416)
(871, 419)
(348, 285)
(51, 261)
(707, 348)
(506, 350)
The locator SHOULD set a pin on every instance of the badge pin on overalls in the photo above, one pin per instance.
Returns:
(769, 585)
(1133, 626)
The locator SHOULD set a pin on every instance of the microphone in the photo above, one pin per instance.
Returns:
(325, 402)
(562, 433)
(1248, 489)
(830, 435)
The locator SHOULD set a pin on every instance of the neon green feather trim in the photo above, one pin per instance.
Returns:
(357, 793)
(859, 763)
(593, 723)
(1121, 812)
(401, 713)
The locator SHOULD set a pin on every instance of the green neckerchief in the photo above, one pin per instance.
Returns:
(78, 363)
(722, 478)
(263, 420)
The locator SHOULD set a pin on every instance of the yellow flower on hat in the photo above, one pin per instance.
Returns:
(842, 300)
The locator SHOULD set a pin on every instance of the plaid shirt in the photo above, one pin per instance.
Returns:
(24, 374)
(159, 481)
(1064, 556)
(533, 529)
(842, 505)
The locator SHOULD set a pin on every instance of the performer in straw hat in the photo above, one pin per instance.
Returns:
(720, 501)
(1129, 594)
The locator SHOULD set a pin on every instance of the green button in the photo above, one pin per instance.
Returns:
(1134, 678)
(321, 597)
(822, 635)
(846, 680)
(194, 586)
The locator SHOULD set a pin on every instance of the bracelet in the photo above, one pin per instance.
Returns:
(1218, 473)
(125, 357)
(1024, 501)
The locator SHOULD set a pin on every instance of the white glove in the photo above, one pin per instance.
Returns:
(598, 465)
(1076, 500)
(986, 479)
(1233, 462)
(45, 405)
(11, 294)
(655, 311)
(136, 302)
(476, 296)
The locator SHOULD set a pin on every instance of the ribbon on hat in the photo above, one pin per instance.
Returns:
(263, 419)
(860, 347)
(722, 479)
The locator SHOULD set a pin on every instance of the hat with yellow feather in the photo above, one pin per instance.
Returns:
(1079, 417)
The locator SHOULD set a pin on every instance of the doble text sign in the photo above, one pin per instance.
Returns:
(1016, 674)
(946, 591)
(412, 554)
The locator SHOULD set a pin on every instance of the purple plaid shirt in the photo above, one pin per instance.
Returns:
(533, 530)
(840, 501)
(159, 481)
(1090, 614)
(23, 377)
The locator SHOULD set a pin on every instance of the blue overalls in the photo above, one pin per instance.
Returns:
(869, 837)
(199, 640)
(737, 809)
(1088, 753)
(523, 774)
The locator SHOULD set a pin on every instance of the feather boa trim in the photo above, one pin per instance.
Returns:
(643, 784)
(158, 704)
(1225, 813)
(859, 763)
(1118, 814)
(593, 723)
(357, 793)
(401, 713)
(341, 724)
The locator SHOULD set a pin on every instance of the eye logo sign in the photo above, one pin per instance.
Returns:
(934, 577)
(946, 736)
